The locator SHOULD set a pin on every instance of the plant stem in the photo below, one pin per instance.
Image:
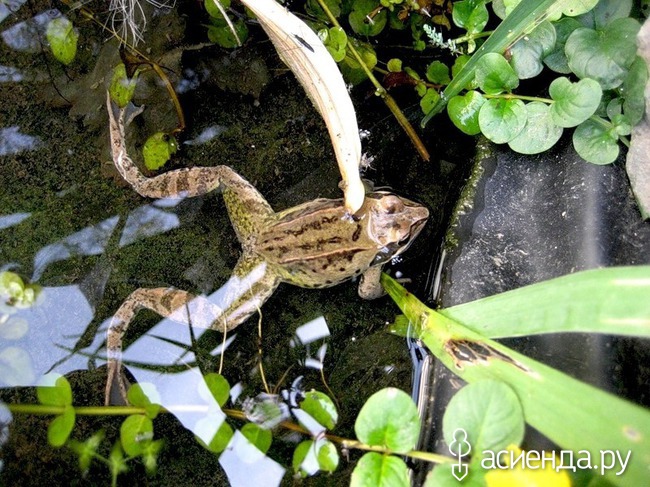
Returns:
(381, 91)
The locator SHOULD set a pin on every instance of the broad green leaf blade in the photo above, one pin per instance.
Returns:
(258, 436)
(63, 38)
(572, 414)
(501, 120)
(595, 142)
(528, 52)
(428, 101)
(494, 75)
(471, 15)
(60, 428)
(574, 102)
(320, 407)
(612, 301)
(540, 132)
(556, 59)
(376, 470)
(604, 56)
(490, 415)
(54, 390)
(158, 149)
(389, 418)
(633, 91)
(145, 395)
(136, 431)
(122, 87)
(328, 456)
(522, 20)
(215, 386)
(359, 20)
(607, 11)
(463, 111)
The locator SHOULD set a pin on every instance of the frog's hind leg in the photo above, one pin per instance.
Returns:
(251, 285)
(247, 207)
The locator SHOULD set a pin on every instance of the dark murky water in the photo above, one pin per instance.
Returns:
(69, 224)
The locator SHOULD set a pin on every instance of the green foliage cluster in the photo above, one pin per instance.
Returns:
(219, 30)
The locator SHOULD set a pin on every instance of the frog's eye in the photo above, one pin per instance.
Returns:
(392, 204)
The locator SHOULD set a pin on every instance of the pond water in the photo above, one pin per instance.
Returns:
(69, 224)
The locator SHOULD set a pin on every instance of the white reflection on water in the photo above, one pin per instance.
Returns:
(245, 465)
(7, 221)
(25, 36)
(12, 141)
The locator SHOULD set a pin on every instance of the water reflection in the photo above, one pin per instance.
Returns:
(25, 36)
(12, 141)
(245, 465)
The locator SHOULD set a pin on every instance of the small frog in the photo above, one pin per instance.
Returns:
(314, 245)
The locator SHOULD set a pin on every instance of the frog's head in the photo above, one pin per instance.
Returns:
(393, 222)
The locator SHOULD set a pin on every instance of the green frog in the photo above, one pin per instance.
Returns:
(313, 245)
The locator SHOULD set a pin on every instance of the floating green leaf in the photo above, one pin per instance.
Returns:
(320, 407)
(158, 149)
(595, 142)
(335, 41)
(122, 88)
(328, 456)
(603, 55)
(300, 455)
(312, 7)
(556, 59)
(540, 132)
(63, 38)
(572, 8)
(54, 390)
(60, 428)
(14, 293)
(213, 10)
(87, 450)
(136, 431)
(428, 101)
(221, 438)
(471, 15)
(260, 437)
(351, 69)
(574, 102)
(394, 65)
(463, 111)
(146, 396)
(224, 37)
(489, 414)
(389, 418)
(494, 75)
(501, 120)
(438, 73)
(376, 470)
(361, 22)
(607, 11)
(528, 52)
(215, 386)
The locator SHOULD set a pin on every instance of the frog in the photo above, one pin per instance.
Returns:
(316, 244)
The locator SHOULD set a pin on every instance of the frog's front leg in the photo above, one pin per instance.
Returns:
(249, 287)
(370, 285)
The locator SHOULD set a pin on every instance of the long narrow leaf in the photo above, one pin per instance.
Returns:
(574, 415)
(613, 300)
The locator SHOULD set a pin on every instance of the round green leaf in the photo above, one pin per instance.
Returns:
(258, 436)
(556, 59)
(603, 55)
(299, 456)
(215, 386)
(607, 11)
(463, 111)
(223, 36)
(429, 100)
(54, 390)
(60, 428)
(502, 120)
(574, 102)
(122, 88)
(595, 143)
(145, 395)
(528, 52)
(438, 73)
(572, 8)
(135, 432)
(494, 75)
(11, 285)
(313, 8)
(63, 38)
(320, 407)
(360, 22)
(335, 41)
(489, 414)
(394, 65)
(540, 132)
(376, 470)
(158, 149)
(352, 71)
(221, 439)
(471, 15)
(213, 10)
(389, 418)
(328, 456)
(16, 368)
